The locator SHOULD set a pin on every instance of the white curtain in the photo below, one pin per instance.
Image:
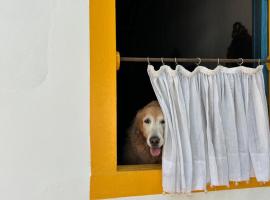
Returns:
(217, 127)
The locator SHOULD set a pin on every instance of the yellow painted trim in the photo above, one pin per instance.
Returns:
(138, 167)
(108, 180)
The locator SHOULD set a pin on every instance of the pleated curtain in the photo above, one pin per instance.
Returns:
(217, 127)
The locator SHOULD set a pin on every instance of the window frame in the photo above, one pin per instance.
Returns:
(107, 179)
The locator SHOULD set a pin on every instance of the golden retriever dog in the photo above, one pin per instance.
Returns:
(145, 136)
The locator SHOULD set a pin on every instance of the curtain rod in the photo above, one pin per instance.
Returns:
(194, 60)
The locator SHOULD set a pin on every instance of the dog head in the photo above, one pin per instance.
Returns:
(150, 122)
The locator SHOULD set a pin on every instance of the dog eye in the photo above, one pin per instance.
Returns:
(147, 121)
(162, 121)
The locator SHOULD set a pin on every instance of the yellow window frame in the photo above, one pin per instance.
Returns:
(107, 179)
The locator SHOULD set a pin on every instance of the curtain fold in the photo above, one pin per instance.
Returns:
(217, 127)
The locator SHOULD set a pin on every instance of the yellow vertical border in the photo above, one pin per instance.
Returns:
(106, 180)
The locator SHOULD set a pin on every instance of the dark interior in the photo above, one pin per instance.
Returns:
(174, 28)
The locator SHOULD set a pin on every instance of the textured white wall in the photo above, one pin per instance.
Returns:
(44, 100)
(243, 194)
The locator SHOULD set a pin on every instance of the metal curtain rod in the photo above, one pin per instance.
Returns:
(194, 60)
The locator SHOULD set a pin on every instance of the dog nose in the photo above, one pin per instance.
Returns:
(154, 140)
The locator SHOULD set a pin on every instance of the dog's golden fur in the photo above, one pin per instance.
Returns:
(136, 150)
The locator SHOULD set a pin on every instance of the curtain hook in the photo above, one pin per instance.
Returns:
(198, 63)
(162, 61)
(242, 61)
(148, 61)
(218, 61)
(175, 60)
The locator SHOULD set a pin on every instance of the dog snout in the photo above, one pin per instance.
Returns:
(154, 141)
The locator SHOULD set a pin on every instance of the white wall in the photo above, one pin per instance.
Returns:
(243, 194)
(44, 100)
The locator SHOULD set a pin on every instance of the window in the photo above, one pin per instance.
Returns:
(108, 179)
(186, 28)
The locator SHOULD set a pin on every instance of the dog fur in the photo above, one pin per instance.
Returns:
(138, 147)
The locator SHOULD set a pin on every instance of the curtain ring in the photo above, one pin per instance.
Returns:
(148, 61)
(218, 61)
(162, 61)
(242, 61)
(175, 60)
(198, 63)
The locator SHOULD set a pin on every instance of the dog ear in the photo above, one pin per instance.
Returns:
(137, 123)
